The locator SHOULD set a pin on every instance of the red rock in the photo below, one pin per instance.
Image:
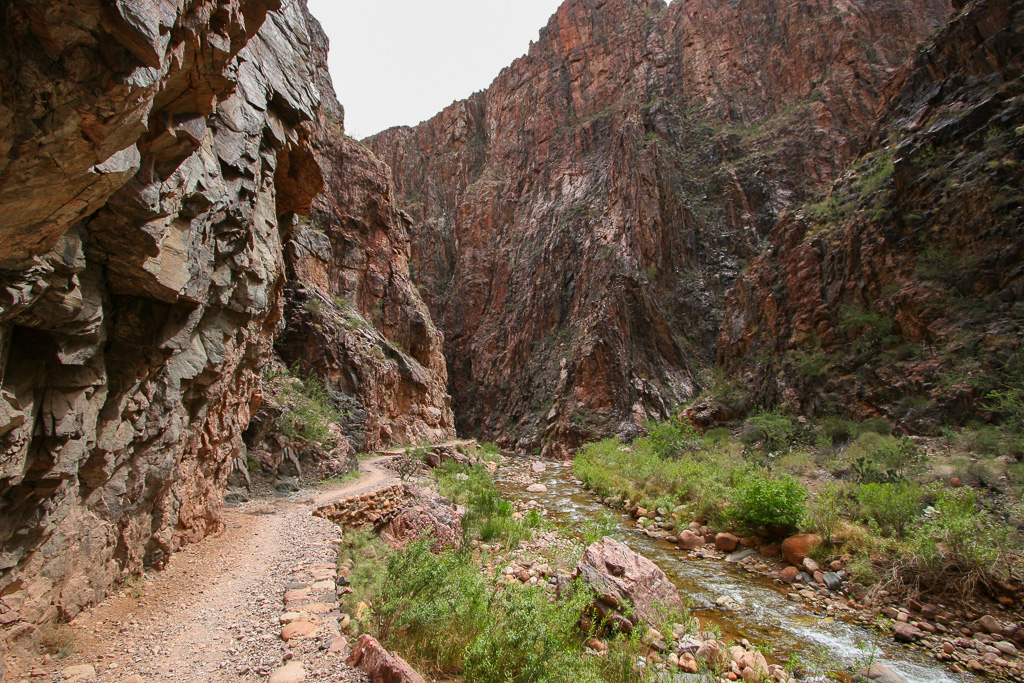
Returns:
(380, 665)
(505, 158)
(689, 540)
(771, 550)
(789, 574)
(795, 549)
(906, 633)
(989, 624)
(297, 629)
(620, 576)
(727, 542)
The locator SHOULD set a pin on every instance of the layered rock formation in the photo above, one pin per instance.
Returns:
(354, 318)
(578, 224)
(150, 149)
(899, 292)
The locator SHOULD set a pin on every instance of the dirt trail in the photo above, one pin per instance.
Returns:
(214, 613)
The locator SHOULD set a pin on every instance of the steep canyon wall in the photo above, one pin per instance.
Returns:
(578, 224)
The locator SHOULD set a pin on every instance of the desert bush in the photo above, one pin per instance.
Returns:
(673, 438)
(770, 501)
(432, 605)
(530, 638)
(308, 409)
(958, 548)
(774, 430)
(890, 507)
(876, 459)
(825, 512)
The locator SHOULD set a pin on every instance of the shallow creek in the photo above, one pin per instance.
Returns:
(770, 619)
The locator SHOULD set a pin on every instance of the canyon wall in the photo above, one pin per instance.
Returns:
(353, 316)
(578, 224)
(163, 219)
(149, 152)
(898, 293)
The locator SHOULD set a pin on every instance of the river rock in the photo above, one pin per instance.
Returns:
(379, 664)
(536, 488)
(538, 467)
(690, 541)
(82, 673)
(906, 633)
(832, 580)
(988, 624)
(726, 542)
(878, 673)
(619, 576)
(795, 549)
(789, 574)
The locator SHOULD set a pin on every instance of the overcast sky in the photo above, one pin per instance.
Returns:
(399, 62)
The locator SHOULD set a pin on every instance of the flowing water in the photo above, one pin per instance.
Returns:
(770, 620)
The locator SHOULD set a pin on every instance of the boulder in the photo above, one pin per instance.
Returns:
(726, 542)
(796, 548)
(619, 577)
(789, 574)
(292, 672)
(424, 513)
(536, 488)
(380, 665)
(906, 633)
(989, 624)
(689, 540)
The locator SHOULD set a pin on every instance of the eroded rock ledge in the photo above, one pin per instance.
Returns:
(151, 151)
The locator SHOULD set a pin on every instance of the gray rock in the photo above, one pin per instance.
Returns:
(740, 556)
(878, 673)
(833, 581)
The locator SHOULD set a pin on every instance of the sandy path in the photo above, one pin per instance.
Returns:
(214, 613)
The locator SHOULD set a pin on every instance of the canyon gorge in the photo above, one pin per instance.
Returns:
(713, 207)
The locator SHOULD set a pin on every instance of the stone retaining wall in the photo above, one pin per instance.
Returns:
(368, 510)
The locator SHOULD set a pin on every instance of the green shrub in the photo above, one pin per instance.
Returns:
(876, 458)
(825, 512)
(308, 411)
(770, 501)
(774, 430)
(673, 438)
(890, 507)
(1009, 402)
(957, 548)
(530, 638)
(431, 606)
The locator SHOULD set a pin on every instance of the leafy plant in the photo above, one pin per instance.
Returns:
(770, 501)
(774, 430)
(879, 459)
(890, 507)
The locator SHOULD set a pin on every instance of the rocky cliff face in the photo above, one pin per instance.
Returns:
(898, 293)
(354, 318)
(150, 150)
(578, 224)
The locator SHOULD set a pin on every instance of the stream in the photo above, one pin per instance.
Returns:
(770, 620)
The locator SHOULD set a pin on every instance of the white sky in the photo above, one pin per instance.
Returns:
(399, 62)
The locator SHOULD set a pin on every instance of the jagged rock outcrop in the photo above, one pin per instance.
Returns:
(898, 294)
(149, 151)
(578, 223)
(353, 316)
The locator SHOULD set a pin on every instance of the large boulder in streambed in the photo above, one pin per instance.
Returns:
(796, 548)
(621, 577)
(379, 664)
